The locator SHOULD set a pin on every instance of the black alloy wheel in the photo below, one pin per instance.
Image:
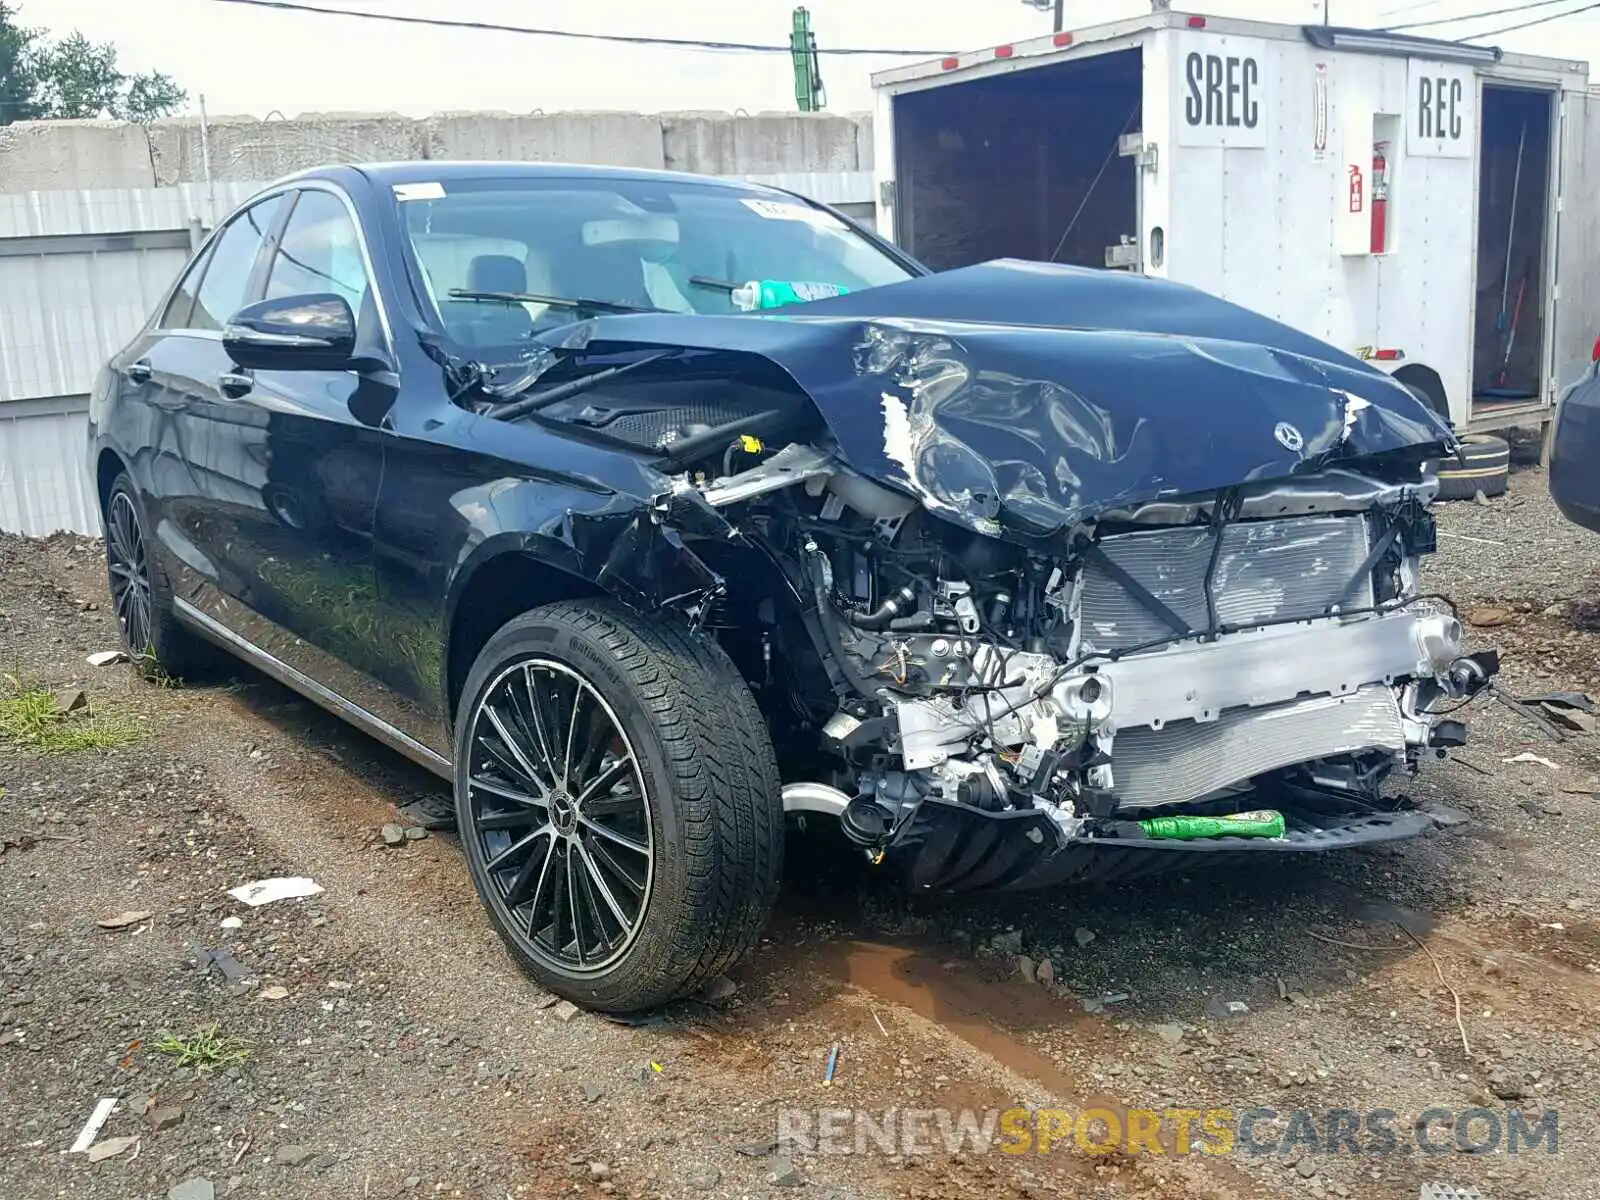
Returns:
(141, 594)
(618, 802)
(128, 568)
(558, 811)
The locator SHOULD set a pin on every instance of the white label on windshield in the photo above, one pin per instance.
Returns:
(431, 190)
(773, 210)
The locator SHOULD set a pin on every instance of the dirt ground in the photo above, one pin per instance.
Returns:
(391, 1049)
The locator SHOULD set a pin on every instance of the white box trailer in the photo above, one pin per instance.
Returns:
(1417, 202)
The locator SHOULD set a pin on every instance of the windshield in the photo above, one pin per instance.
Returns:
(623, 244)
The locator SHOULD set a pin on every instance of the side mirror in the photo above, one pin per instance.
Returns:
(315, 332)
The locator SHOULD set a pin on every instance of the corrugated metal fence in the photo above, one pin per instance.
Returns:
(79, 273)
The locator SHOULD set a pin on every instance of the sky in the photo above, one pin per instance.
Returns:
(261, 61)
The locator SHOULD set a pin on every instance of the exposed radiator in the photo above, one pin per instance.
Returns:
(1267, 570)
(1186, 760)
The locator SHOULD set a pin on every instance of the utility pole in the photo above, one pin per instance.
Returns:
(809, 94)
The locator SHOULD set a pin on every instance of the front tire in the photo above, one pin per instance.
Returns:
(618, 802)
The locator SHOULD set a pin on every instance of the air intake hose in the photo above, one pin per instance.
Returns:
(900, 602)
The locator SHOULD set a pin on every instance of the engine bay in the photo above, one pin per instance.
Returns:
(1182, 656)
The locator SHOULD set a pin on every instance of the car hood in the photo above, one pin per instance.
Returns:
(1023, 398)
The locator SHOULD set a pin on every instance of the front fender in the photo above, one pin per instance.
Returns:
(616, 544)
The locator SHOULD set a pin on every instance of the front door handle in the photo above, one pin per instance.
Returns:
(138, 372)
(234, 385)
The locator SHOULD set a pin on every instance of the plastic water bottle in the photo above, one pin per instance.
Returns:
(776, 293)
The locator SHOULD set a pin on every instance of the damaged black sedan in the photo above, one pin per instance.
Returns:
(653, 510)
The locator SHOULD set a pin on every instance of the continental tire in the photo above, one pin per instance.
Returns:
(141, 593)
(618, 802)
(1486, 468)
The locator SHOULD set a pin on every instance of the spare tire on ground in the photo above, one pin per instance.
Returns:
(1484, 466)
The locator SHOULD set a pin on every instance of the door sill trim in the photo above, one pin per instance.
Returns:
(308, 687)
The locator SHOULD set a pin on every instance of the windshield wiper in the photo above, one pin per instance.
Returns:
(576, 303)
(573, 387)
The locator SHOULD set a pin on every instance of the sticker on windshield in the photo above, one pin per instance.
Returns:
(774, 210)
(431, 190)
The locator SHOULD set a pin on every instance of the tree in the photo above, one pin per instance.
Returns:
(73, 78)
(151, 95)
(17, 84)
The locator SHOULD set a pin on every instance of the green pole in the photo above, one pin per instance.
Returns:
(803, 49)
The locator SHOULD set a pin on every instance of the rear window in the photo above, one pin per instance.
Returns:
(224, 286)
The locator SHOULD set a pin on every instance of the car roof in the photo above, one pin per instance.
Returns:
(447, 170)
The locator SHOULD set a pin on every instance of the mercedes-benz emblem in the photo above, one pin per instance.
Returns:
(1288, 436)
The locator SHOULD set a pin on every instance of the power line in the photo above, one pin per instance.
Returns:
(625, 38)
(1529, 24)
(1491, 12)
(1410, 8)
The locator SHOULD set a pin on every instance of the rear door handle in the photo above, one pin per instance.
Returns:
(234, 385)
(138, 372)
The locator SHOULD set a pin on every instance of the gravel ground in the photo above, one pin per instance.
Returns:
(392, 1050)
(1516, 547)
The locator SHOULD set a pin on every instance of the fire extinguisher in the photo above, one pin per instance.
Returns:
(1380, 198)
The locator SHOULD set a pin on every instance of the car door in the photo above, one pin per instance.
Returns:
(190, 473)
(311, 465)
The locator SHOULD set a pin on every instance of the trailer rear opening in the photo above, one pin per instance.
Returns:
(1508, 353)
(1022, 165)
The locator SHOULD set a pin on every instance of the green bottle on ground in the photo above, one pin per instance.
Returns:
(1264, 823)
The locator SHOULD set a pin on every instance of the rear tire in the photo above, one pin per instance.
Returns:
(1485, 466)
(636, 857)
(141, 593)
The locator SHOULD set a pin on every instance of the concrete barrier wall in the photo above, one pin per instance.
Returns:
(716, 144)
(617, 139)
(65, 155)
(34, 155)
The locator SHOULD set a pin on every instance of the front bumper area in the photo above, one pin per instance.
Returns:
(957, 848)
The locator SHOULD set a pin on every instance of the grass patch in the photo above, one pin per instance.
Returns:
(205, 1050)
(31, 716)
(151, 670)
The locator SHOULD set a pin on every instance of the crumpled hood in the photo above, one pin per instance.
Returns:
(1023, 398)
